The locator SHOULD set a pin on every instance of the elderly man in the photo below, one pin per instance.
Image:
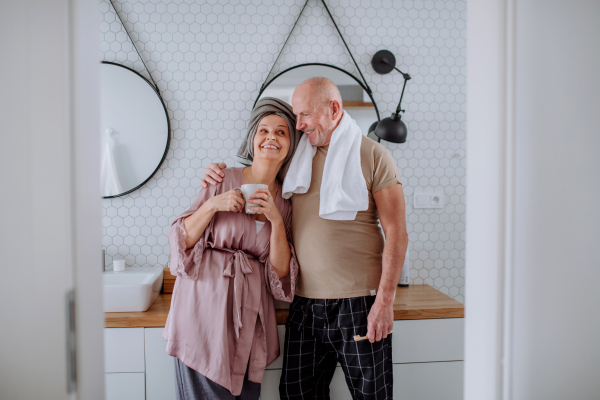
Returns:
(348, 274)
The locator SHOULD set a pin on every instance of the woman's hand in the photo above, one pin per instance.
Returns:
(229, 201)
(265, 200)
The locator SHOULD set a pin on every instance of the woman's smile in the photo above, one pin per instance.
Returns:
(271, 146)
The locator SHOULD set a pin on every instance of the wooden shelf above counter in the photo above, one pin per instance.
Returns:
(412, 302)
(361, 104)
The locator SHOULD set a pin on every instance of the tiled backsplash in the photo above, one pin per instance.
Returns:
(209, 59)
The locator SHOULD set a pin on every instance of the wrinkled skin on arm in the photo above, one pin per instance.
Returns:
(391, 210)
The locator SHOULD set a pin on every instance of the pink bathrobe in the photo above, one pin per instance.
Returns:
(222, 317)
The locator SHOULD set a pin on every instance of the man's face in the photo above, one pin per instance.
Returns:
(313, 119)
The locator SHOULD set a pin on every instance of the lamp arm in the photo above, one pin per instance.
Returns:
(406, 77)
(402, 95)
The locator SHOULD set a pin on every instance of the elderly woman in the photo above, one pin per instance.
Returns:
(221, 328)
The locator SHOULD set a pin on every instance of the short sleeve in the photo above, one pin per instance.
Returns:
(284, 288)
(385, 173)
(186, 262)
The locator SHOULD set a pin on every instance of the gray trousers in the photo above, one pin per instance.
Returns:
(192, 385)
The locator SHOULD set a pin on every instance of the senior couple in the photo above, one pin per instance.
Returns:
(316, 243)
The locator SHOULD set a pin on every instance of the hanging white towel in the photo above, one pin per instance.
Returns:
(343, 187)
(109, 177)
(297, 179)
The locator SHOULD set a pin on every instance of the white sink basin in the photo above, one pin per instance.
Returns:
(134, 289)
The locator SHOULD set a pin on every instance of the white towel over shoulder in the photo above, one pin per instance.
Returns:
(343, 188)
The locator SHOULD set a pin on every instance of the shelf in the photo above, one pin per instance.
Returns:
(362, 104)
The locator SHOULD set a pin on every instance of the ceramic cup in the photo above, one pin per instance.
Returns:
(118, 265)
(247, 190)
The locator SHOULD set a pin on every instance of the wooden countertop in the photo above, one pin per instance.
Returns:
(413, 302)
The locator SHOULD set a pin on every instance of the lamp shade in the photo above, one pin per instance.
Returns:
(392, 129)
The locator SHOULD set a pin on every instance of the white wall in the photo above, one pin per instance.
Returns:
(532, 320)
(556, 326)
(210, 59)
(35, 224)
(49, 203)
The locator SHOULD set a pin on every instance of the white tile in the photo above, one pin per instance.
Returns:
(210, 59)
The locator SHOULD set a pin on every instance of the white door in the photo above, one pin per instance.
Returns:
(49, 202)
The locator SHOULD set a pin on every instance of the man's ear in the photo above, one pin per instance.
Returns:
(336, 109)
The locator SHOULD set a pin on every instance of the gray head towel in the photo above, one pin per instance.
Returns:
(265, 107)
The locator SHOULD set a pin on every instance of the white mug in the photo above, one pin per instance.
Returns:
(247, 190)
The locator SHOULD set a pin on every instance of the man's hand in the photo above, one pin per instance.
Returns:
(380, 320)
(213, 175)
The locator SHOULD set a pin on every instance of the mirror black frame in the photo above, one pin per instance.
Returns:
(168, 131)
(362, 85)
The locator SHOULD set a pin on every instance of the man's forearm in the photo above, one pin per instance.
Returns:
(394, 252)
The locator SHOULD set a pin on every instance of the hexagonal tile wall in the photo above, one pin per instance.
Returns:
(209, 60)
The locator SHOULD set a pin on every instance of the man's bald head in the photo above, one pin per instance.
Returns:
(320, 90)
(317, 104)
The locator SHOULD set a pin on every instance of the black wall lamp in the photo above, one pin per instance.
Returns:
(391, 129)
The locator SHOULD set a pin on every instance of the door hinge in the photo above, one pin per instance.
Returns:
(71, 342)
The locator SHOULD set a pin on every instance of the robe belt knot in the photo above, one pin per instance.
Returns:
(237, 269)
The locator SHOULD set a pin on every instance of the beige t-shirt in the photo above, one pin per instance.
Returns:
(341, 259)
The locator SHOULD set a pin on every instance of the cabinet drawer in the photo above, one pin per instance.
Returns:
(428, 340)
(278, 363)
(160, 369)
(124, 350)
(128, 386)
(429, 381)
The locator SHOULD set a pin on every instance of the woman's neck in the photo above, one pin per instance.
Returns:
(264, 174)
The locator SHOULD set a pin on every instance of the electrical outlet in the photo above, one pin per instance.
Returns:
(428, 200)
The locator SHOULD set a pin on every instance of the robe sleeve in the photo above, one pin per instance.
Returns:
(186, 262)
(284, 288)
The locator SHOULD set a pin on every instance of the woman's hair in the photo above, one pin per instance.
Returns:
(265, 107)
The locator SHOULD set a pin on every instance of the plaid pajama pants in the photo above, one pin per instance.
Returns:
(319, 334)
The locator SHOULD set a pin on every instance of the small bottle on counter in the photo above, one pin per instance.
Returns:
(404, 276)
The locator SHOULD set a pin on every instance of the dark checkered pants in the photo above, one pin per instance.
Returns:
(319, 334)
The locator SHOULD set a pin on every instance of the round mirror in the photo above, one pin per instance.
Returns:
(134, 127)
(356, 101)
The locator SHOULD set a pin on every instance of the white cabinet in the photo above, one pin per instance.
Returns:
(160, 370)
(426, 340)
(125, 386)
(429, 381)
(137, 366)
(427, 357)
(124, 350)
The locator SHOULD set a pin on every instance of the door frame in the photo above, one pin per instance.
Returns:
(489, 198)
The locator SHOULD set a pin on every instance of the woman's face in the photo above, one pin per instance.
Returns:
(272, 139)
